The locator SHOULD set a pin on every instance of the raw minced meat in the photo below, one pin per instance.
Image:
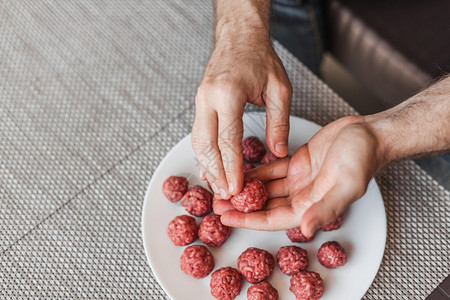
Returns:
(197, 201)
(268, 158)
(296, 235)
(197, 261)
(248, 167)
(292, 259)
(252, 197)
(226, 283)
(255, 264)
(212, 232)
(262, 291)
(253, 149)
(307, 285)
(333, 225)
(182, 230)
(174, 187)
(332, 255)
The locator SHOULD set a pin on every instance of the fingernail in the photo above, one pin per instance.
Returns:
(281, 147)
(214, 187)
(223, 194)
(230, 188)
(201, 174)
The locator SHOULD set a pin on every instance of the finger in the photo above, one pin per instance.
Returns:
(204, 143)
(277, 202)
(275, 170)
(278, 101)
(333, 204)
(230, 145)
(277, 188)
(279, 218)
(220, 206)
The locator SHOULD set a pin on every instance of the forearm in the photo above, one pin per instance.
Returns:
(242, 21)
(417, 127)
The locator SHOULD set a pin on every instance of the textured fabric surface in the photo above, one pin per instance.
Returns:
(92, 96)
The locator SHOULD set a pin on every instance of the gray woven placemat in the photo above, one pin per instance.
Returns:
(92, 96)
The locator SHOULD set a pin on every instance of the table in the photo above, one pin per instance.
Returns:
(93, 94)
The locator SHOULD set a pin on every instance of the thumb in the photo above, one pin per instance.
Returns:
(334, 203)
(278, 100)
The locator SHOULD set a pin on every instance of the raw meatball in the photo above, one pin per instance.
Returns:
(307, 285)
(255, 264)
(252, 197)
(296, 235)
(182, 230)
(268, 158)
(226, 283)
(174, 187)
(197, 261)
(253, 149)
(262, 291)
(333, 225)
(212, 232)
(332, 255)
(248, 167)
(292, 259)
(197, 201)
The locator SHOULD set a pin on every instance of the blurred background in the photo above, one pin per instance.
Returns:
(374, 54)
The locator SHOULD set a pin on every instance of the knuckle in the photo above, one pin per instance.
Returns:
(280, 128)
(212, 92)
(201, 145)
(231, 133)
(285, 91)
(225, 85)
(225, 142)
(201, 97)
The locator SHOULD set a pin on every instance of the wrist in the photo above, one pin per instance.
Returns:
(380, 127)
(242, 30)
(242, 21)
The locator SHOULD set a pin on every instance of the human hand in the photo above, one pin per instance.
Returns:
(241, 69)
(317, 183)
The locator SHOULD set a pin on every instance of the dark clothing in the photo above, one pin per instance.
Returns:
(298, 26)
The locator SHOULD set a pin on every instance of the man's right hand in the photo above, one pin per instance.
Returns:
(243, 68)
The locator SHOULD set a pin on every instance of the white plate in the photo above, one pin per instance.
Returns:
(363, 234)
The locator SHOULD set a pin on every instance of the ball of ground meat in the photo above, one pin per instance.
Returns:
(226, 283)
(331, 255)
(212, 232)
(296, 235)
(182, 230)
(248, 167)
(253, 149)
(197, 261)
(292, 259)
(268, 158)
(174, 187)
(307, 285)
(262, 291)
(197, 201)
(255, 264)
(252, 197)
(333, 225)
